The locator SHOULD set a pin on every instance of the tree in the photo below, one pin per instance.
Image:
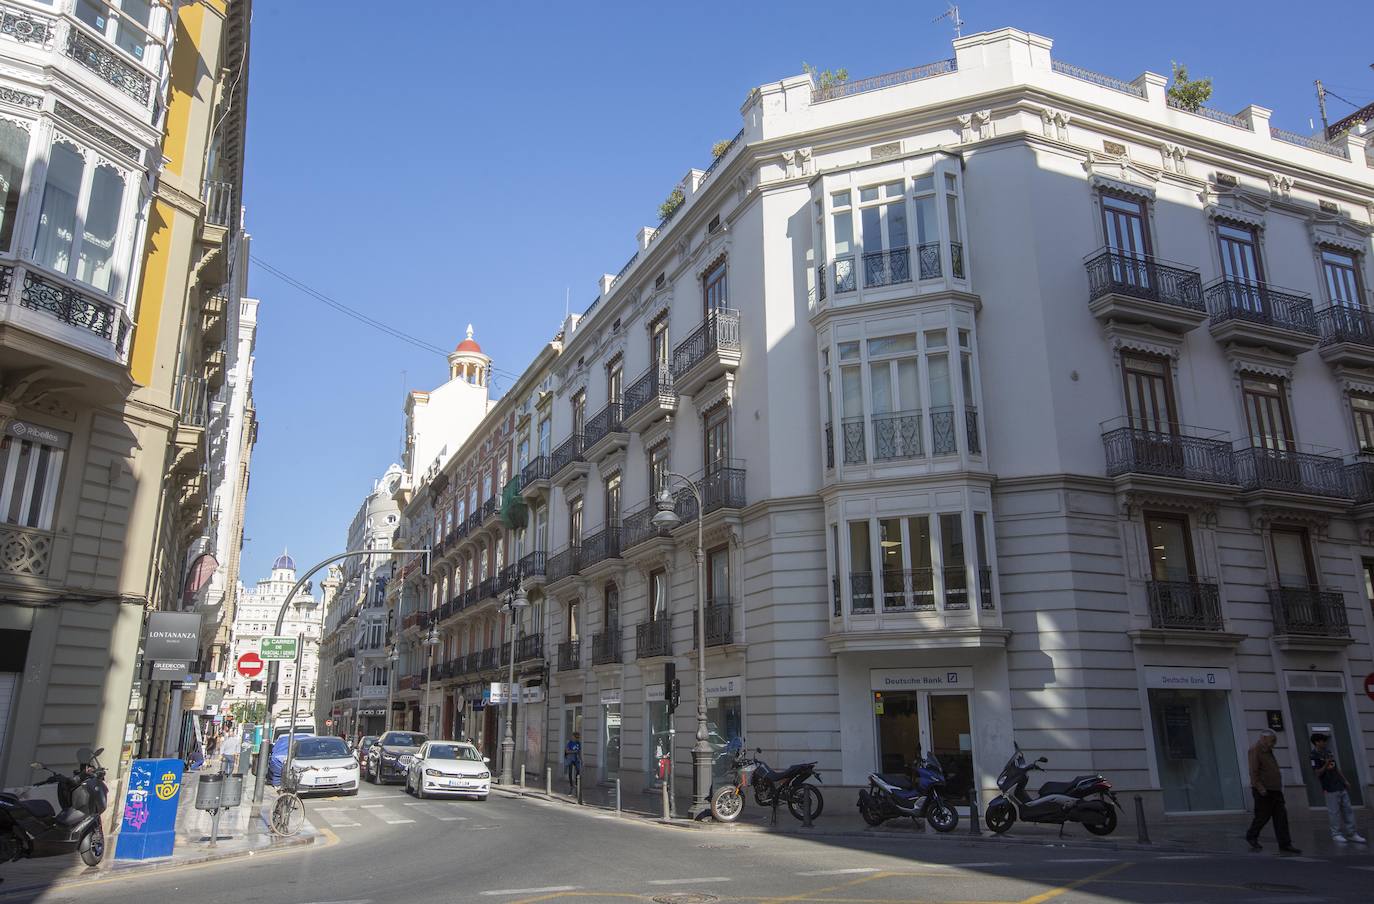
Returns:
(826, 79)
(1189, 94)
(248, 712)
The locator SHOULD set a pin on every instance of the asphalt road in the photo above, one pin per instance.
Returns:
(383, 847)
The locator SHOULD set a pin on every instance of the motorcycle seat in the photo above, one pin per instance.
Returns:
(1055, 788)
(40, 808)
(778, 775)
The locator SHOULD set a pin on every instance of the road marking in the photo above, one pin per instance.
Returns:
(496, 892)
(689, 881)
(429, 811)
(981, 863)
(841, 872)
(1085, 860)
(1077, 883)
(1183, 857)
(1370, 868)
(372, 806)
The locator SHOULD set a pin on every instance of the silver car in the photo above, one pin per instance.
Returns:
(448, 767)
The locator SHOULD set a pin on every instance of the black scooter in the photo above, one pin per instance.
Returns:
(30, 828)
(1056, 803)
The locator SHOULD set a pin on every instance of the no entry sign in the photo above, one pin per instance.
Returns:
(250, 665)
(1369, 685)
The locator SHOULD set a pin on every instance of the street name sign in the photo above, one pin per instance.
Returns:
(281, 648)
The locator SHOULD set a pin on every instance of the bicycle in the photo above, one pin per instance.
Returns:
(288, 813)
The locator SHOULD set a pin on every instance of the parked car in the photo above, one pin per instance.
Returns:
(448, 767)
(364, 745)
(382, 765)
(326, 764)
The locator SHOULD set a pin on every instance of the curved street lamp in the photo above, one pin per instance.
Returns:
(393, 656)
(667, 518)
(515, 601)
(431, 641)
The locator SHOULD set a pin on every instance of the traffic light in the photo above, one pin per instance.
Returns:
(675, 696)
(669, 679)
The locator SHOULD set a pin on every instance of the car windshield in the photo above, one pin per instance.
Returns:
(402, 739)
(453, 752)
(368, 741)
(320, 748)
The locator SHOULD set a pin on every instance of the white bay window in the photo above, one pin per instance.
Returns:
(79, 218)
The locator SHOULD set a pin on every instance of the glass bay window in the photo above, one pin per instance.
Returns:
(922, 562)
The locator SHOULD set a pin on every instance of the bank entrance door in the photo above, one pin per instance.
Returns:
(911, 722)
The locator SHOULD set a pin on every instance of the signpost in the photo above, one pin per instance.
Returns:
(250, 665)
(280, 648)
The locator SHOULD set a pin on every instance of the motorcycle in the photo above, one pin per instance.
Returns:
(789, 786)
(886, 799)
(30, 828)
(1056, 803)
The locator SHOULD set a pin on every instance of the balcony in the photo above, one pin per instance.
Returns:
(605, 433)
(534, 479)
(529, 646)
(564, 564)
(491, 658)
(24, 552)
(219, 202)
(534, 567)
(1276, 470)
(68, 312)
(887, 268)
(650, 398)
(720, 624)
(911, 590)
(1347, 336)
(654, 638)
(568, 463)
(1143, 289)
(345, 655)
(1255, 313)
(638, 528)
(486, 588)
(896, 436)
(709, 352)
(1175, 456)
(599, 550)
(1309, 612)
(212, 319)
(721, 487)
(606, 646)
(569, 655)
(861, 592)
(488, 510)
(1184, 605)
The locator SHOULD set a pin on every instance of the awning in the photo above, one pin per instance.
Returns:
(197, 576)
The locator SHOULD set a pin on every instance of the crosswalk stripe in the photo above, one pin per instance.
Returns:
(840, 872)
(530, 891)
(689, 881)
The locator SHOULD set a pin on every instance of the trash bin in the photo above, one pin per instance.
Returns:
(232, 795)
(210, 792)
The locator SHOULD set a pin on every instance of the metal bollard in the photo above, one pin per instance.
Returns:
(214, 827)
(579, 789)
(775, 809)
(1142, 834)
(522, 778)
(667, 812)
(974, 827)
(548, 781)
(617, 797)
(806, 807)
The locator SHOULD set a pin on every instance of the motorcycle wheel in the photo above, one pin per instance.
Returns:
(1000, 818)
(943, 817)
(810, 793)
(1108, 825)
(869, 811)
(92, 846)
(726, 804)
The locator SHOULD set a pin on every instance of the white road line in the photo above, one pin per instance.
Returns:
(372, 806)
(1084, 860)
(840, 872)
(689, 881)
(981, 863)
(1183, 857)
(495, 892)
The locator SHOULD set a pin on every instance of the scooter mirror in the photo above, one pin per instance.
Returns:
(98, 751)
(35, 765)
(1043, 760)
(84, 755)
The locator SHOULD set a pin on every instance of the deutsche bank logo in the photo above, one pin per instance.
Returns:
(1211, 678)
(952, 677)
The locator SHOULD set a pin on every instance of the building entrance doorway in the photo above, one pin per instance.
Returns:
(911, 722)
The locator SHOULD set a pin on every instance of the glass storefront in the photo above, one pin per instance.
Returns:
(1195, 750)
(610, 740)
(725, 723)
(946, 733)
(656, 747)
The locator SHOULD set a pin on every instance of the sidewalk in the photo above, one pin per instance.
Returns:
(243, 832)
(840, 818)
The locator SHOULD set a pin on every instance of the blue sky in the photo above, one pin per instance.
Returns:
(456, 163)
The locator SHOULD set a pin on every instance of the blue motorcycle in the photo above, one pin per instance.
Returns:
(889, 797)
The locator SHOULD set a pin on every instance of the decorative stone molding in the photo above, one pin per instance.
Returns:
(660, 561)
(1239, 205)
(1055, 123)
(1135, 502)
(1280, 185)
(1140, 337)
(1265, 517)
(1116, 174)
(797, 162)
(975, 126)
(1259, 361)
(1339, 232)
(716, 392)
(1174, 156)
(725, 533)
(657, 434)
(1351, 381)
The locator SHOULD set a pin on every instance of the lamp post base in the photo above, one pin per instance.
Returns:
(507, 760)
(701, 785)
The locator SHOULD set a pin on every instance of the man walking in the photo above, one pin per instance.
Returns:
(1266, 785)
(1337, 791)
(232, 746)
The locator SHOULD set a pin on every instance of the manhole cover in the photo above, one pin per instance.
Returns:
(1272, 886)
(687, 897)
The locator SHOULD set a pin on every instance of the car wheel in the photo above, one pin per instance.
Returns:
(483, 796)
(420, 788)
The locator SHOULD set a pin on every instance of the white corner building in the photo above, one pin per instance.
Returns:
(256, 618)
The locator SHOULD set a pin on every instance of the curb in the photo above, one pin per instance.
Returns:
(953, 837)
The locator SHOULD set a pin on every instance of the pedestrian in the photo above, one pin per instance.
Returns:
(1266, 786)
(231, 746)
(572, 760)
(1337, 792)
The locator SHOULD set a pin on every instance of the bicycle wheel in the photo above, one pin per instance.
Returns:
(288, 815)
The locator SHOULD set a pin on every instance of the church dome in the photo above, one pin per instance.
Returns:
(469, 344)
(284, 561)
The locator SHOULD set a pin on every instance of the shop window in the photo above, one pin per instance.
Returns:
(30, 470)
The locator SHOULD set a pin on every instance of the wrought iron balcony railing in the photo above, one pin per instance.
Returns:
(897, 436)
(98, 56)
(637, 527)
(944, 434)
(654, 383)
(836, 596)
(537, 469)
(1309, 610)
(1257, 302)
(1258, 468)
(928, 256)
(829, 446)
(718, 331)
(842, 269)
(606, 646)
(852, 432)
(569, 655)
(1193, 605)
(600, 546)
(487, 588)
(1142, 276)
(534, 564)
(956, 587)
(887, 268)
(1339, 323)
(861, 592)
(489, 509)
(564, 563)
(653, 638)
(570, 451)
(721, 486)
(68, 305)
(529, 646)
(911, 590)
(603, 424)
(985, 594)
(219, 202)
(720, 623)
(1131, 450)
(491, 658)
(956, 260)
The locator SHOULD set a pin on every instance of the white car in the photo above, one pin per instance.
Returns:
(448, 767)
(325, 764)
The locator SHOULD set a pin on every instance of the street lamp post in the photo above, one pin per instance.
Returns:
(515, 601)
(358, 704)
(431, 641)
(392, 658)
(667, 517)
